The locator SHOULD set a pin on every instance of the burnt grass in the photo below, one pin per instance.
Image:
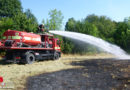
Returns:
(96, 74)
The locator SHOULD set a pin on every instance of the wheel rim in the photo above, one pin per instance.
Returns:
(56, 57)
(31, 58)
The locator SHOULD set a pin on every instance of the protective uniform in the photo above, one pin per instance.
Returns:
(41, 28)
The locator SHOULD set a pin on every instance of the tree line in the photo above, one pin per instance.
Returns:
(13, 17)
(99, 26)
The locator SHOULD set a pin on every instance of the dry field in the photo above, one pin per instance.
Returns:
(19, 75)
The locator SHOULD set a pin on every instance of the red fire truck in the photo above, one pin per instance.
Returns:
(26, 47)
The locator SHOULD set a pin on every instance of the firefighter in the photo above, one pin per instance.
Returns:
(41, 28)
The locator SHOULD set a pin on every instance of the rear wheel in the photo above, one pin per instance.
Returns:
(9, 57)
(29, 58)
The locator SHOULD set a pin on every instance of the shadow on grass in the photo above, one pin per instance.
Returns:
(96, 74)
(3, 62)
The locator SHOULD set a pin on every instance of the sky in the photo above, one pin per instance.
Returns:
(116, 10)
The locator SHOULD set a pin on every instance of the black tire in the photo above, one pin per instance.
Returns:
(29, 58)
(10, 58)
(56, 56)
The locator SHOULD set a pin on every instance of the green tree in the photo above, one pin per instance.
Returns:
(55, 20)
(88, 28)
(92, 18)
(128, 40)
(5, 24)
(121, 34)
(70, 25)
(67, 46)
(105, 26)
(24, 22)
(9, 8)
(127, 21)
(21, 21)
(29, 15)
(46, 24)
(32, 23)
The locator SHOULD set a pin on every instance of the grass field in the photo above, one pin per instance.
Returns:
(17, 74)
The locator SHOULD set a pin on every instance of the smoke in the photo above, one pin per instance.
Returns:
(98, 42)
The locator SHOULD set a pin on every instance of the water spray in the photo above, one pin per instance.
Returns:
(98, 42)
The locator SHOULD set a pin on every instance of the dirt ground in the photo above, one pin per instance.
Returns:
(71, 72)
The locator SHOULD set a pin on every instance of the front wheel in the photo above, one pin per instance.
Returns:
(56, 56)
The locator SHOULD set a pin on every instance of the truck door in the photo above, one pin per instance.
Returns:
(57, 44)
